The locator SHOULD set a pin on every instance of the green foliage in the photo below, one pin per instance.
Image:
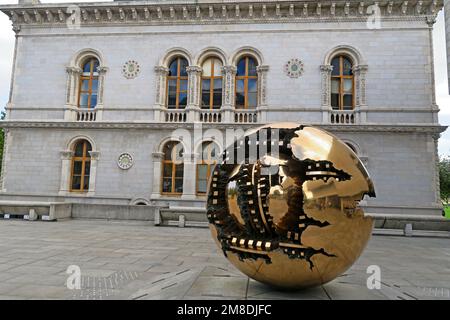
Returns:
(444, 178)
(447, 211)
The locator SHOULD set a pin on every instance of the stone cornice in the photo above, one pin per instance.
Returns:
(217, 12)
(417, 128)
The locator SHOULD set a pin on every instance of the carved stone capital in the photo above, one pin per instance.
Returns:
(326, 68)
(158, 156)
(229, 69)
(262, 69)
(194, 69)
(360, 68)
(74, 70)
(67, 154)
(102, 70)
(94, 155)
(161, 70)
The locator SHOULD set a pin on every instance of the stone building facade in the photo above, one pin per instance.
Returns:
(101, 93)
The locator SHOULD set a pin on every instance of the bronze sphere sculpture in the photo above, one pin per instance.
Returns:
(283, 205)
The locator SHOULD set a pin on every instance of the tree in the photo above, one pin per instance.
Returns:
(444, 178)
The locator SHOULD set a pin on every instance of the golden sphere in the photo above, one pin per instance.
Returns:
(283, 205)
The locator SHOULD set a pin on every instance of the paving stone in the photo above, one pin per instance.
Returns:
(174, 263)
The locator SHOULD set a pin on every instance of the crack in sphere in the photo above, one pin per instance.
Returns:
(283, 205)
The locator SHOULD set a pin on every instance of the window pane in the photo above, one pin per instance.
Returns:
(171, 103)
(252, 85)
(88, 148)
(179, 185)
(183, 85)
(182, 100)
(201, 186)
(183, 65)
(168, 150)
(348, 85)
(217, 99)
(240, 99)
(205, 99)
(167, 172)
(84, 97)
(335, 64)
(335, 85)
(207, 66)
(179, 170)
(172, 86)
(347, 68)
(87, 67)
(240, 86)
(85, 85)
(93, 100)
(87, 168)
(77, 167)
(167, 185)
(348, 101)
(241, 67)
(173, 68)
(205, 85)
(335, 101)
(217, 67)
(79, 149)
(96, 65)
(86, 182)
(251, 67)
(202, 171)
(217, 84)
(76, 183)
(94, 85)
(252, 100)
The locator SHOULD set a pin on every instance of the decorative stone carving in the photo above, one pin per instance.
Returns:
(325, 71)
(125, 161)
(294, 68)
(360, 84)
(228, 74)
(131, 69)
(194, 73)
(161, 76)
(262, 84)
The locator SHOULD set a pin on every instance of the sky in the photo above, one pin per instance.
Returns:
(440, 63)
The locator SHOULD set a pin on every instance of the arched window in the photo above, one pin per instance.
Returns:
(246, 83)
(87, 96)
(208, 159)
(173, 167)
(342, 83)
(177, 84)
(81, 166)
(212, 84)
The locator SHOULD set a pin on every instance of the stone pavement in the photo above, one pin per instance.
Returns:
(135, 260)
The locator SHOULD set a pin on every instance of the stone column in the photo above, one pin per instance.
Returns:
(66, 162)
(72, 85)
(189, 176)
(4, 158)
(160, 96)
(262, 93)
(359, 72)
(93, 174)
(157, 170)
(101, 88)
(447, 36)
(437, 187)
(325, 75)
(193, 105)
(228, 100)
